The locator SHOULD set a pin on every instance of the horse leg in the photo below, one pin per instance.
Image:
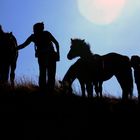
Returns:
(89, 88)
(12, 73)
(138, 89)
(12, 77)
(82, 88)
(97, 89)
(5, 73)
(100, 88)
(129, 82)
(123, 85)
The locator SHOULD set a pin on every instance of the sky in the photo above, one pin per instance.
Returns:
(107, 25)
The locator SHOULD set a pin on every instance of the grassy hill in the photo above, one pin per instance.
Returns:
(37, 114)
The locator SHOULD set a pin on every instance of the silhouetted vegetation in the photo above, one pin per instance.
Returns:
(63, 114)
(29, 92)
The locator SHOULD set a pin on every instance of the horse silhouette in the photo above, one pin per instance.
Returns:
(8, 57)
(103, 67)
(135, 63)
(78, 70)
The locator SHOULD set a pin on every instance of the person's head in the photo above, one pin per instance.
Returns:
(38, 27)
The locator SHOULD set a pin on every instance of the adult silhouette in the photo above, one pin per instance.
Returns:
(8, 56)
(46, 53)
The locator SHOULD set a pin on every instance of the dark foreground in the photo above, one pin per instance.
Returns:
(35, 115)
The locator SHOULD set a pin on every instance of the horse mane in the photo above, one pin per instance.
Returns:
(82, 43)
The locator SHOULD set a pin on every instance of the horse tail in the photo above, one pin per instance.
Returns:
(125, 77)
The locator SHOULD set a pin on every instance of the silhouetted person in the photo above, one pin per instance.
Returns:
(135, 62)
(46, 54)
(8, 56)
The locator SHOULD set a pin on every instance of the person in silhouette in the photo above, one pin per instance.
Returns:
(46, 53)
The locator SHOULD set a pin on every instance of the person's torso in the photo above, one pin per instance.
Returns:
(43, 42)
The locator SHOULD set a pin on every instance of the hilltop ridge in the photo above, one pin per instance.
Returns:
(37, 114)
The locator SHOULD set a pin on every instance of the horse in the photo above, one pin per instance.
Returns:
(103, 67)
(8, 58)
(78, 70)
(135, 63)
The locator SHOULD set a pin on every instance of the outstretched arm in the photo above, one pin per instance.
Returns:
(26, 43)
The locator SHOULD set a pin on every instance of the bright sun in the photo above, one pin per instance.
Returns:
(101, 11)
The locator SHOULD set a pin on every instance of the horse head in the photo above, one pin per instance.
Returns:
(135, 61)
(78, 48)
(66, 86)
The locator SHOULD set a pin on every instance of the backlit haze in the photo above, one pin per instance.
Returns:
(101, 11)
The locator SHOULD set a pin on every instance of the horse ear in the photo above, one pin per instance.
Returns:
(42, 23)
(11, 33)
(83, 40)
(71, 39)
(60, 82)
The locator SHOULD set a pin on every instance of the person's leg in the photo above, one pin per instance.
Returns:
(42, 72)
(51, 76)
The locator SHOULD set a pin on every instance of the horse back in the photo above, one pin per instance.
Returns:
(115, 61)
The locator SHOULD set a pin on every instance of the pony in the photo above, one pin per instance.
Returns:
(78, 70)
(8, 57)
(135, 63)
(103, 67)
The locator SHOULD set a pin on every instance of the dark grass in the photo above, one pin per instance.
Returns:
(34, 114)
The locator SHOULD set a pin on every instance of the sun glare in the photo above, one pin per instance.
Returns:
(101, 11)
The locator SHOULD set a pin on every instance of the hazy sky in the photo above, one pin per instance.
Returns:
(108, 25)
